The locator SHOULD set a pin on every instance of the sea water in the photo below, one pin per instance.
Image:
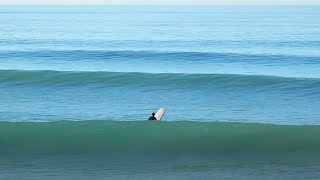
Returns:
(240, 84)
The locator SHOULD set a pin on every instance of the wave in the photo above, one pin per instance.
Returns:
(97, 55)
(156, 137)
(162, 62)
(161, 43)
(73, 78)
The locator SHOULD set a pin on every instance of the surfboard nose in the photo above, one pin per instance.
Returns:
(160, 113)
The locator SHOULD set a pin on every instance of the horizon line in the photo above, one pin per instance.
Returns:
(104, 4)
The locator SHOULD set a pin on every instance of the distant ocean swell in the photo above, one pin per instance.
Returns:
(76, 78)
(206, 138)
(96, 55)
(97, 42)
(162, 62)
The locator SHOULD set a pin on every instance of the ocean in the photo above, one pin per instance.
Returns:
(240, 84)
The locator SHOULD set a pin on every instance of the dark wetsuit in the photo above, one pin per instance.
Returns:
(152, 118)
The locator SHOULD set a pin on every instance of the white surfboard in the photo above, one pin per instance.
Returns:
(159, 114)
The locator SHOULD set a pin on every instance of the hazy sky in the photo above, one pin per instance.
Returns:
(164, 2)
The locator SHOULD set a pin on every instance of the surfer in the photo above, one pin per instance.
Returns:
(152, 117)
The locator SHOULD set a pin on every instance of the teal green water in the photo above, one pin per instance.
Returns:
(157, 150)
(156, 138)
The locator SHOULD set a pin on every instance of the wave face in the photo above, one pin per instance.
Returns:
(166, 138)
(50, 95)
